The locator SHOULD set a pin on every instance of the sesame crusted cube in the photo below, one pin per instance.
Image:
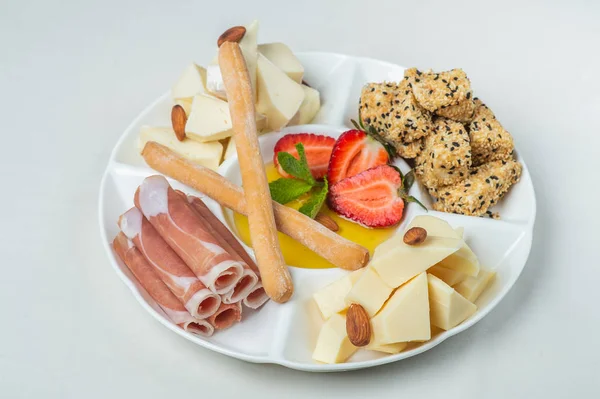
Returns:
(448, 93)
(410, 150)
(489, 140)
(483, 188)
(394, 113)
(446, 157)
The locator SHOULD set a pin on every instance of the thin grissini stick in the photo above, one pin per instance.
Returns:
(257, 296)
(336, 249)
(275, 275)
(179, 225)
(197, 299)
(249, 277)
(226, 316)
(165, 299)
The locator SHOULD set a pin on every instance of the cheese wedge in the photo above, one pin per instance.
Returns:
(331, 298)
(214, 82)
(463, 260)
(333, 345)
(249, 49)
(205, 154)
(370, 291)
(309, 108)
(405, 316)
(448, 307)
(389, 348)
(449, 276)
(279, 97)
(209, 119)
(283, 58)
(460, 231)
(191, 82)
(472, 287)
(397, 262)
(186, 103)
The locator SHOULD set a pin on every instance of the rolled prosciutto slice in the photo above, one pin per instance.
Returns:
(250, 275)
(185, 232)
(256, 296)
(166, 300)
(227, 315)
(197, 299)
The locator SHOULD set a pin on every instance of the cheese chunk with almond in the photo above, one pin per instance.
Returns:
(191, 82)
(405, 316)
(331, 298)
(279, 97)
(389, 348)
(205, 154)
(397, 262)
(472, 287)
(463, 260)
(309, 108)
(449, 276)
(283, 58)
(370, 291)
(186, 104)
(333, 345)
(448, 307)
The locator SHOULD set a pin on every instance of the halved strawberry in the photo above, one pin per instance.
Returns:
(354, 152)
(372, 198)
(316, 147)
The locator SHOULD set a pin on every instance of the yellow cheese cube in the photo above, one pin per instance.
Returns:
(281, 55)
(389, 348)
(331, 298)
(397, 262)
(185, 103)
(449, 276)
(448, 307)
(369, 291)
(405, 316)
(333, 345)
(309, 107)
(463, 260)
(472, 287)
(191, 82)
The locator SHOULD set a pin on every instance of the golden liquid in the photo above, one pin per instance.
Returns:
(296, 254)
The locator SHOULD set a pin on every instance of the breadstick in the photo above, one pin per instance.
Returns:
(336, 249)
(275, 275)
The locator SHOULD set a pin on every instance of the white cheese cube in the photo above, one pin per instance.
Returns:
(309, 107)
(191, 82)
(209, 119)
(472, 287)
(186, 104)
(449, 276)
(331, 298)
(333, 345)
(448, 307)
(370, 291)
(281, 55)
(389, 348)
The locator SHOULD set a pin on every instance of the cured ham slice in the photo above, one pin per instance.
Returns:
(166, 300)
(226, 316)
(256, 296)
(186, 233)
(197, 299)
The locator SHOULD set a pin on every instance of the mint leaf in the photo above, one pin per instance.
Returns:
(311, 207)
(296, 167)
(285, 190)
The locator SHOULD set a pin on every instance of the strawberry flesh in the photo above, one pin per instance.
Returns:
(370, 198)
(316, 147)
(353, 153)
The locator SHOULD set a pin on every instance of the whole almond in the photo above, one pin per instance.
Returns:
(415, 236)
(327, 222)
(234, 34)
(178, 121)
(358, 326)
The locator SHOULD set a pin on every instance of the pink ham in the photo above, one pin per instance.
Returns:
(165, 299)
(226, 316)
(184, 231)
(249, 278)
(257, 297)
(197, 299)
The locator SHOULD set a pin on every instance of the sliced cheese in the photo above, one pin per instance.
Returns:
(281, 55)
(205, 154)
(333, 345)
(331, 298)
(309, 107)
(449, 276)
(389, 348)
(191, 82)
(370, 291)
(397, 262)
(463, 260)
(209, 119)
(279, 97)
(249, 49)
(186, 103)
(448, 307)
(472, 287)
(405, 316)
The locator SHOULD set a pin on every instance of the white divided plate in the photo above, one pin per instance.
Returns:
(286, 334)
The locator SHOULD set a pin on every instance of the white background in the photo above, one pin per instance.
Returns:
(72, 77)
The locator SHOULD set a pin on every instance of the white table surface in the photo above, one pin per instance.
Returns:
(73, 75)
